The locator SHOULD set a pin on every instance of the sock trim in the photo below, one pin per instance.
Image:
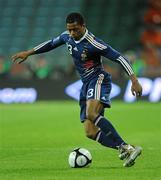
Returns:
(98, 136)
(96, 121)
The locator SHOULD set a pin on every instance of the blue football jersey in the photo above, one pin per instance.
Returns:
(86, 53)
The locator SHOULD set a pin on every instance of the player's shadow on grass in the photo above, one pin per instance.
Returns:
(107, 167)
(35, 170)
(21, 171)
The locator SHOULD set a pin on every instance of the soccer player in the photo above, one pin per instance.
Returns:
(86, 50)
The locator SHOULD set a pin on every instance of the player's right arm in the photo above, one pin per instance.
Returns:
(41, 48)
(22, 56)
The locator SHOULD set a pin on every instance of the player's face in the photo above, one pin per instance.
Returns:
(76, 30)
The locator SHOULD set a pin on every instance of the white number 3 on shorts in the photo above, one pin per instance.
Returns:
(89, 93)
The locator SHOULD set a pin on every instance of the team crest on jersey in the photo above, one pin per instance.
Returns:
(84, 55)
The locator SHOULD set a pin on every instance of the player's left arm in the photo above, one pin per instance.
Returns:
(115, 56)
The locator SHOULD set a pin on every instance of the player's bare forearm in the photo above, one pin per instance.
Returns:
(136, 87)
(22, 56)
(133, 78)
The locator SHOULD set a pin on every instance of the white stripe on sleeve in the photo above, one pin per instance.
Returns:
(126, 65)
(41, 45)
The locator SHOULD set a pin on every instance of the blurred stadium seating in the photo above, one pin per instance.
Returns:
(116, 21)
(26, 23)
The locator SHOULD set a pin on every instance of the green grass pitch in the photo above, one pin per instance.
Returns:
(35, 140)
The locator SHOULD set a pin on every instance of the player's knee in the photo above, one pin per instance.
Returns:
(90, 135)
(91, 132)
(90, 129)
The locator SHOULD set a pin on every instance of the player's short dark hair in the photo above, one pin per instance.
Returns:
(75, 17)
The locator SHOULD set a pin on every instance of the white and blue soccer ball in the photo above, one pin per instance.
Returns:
(79, 157)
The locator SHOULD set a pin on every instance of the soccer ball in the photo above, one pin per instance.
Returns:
(79, 158)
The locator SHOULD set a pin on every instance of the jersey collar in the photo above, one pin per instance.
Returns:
(84, 36)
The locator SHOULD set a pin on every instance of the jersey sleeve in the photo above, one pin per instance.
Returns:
(110, 53)
(49, 45)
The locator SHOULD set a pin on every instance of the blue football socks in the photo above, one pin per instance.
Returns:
(105, 140)
(108, 136)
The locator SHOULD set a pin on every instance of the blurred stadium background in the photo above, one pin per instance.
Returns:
(132, 27)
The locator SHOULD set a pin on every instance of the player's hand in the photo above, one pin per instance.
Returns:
(20, 57)
(136, 88)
